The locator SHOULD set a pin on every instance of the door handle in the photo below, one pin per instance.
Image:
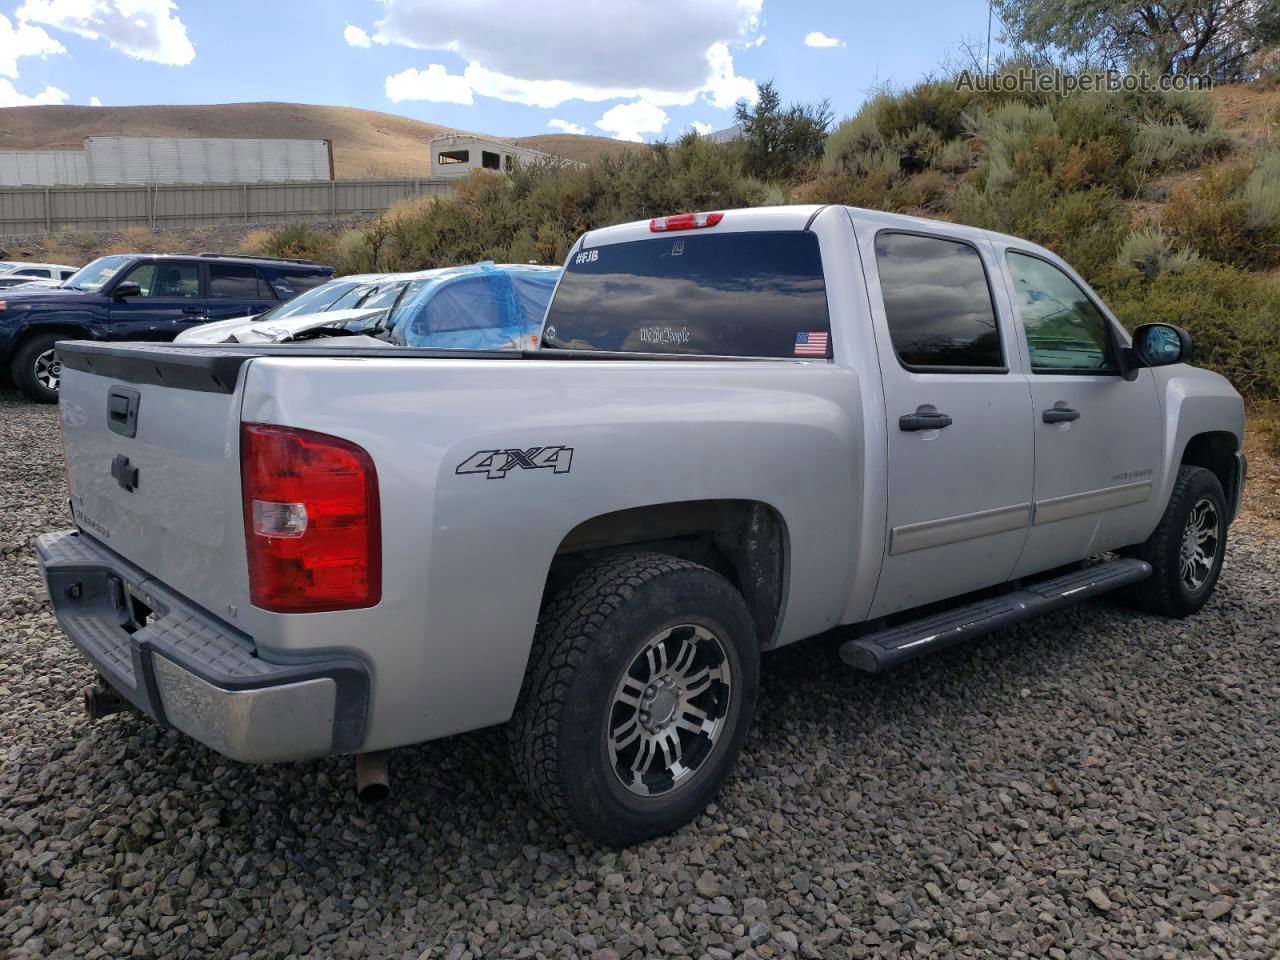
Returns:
(1060, 415)
(923, 419)
(192, 310)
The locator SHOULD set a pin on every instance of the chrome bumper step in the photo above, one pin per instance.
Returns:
(886, 648)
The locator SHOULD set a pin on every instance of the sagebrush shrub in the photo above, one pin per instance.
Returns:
(1152, 252)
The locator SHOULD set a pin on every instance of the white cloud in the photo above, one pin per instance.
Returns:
(631, 121)
(702, 128)
(23, 40)
(756, 42)
(665, 52)
(10, 97)
(95, 102)
(142, 29)
(434, 83)
(820, 39)
(726, 88)
(356, 37)
(555, 123)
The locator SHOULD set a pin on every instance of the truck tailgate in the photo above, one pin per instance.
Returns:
(153, 466)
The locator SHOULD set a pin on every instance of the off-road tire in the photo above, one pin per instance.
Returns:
(1165, 592)
(586, 639)
(24, 367)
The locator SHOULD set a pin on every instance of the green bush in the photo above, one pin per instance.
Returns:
(298, 240)
(935, 106)
(1230, 215)
(854, 138)
(1172, 145)
(1151, 252)
(1262, 194)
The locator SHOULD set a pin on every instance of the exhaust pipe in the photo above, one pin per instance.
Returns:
(101, 701)
(371, 777)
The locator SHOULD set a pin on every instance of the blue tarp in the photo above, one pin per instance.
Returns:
(478, 307)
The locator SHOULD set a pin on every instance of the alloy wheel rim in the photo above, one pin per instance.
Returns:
(1201, 538)
(668, 711)
(48, 370)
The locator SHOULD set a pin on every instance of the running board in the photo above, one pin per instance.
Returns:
(887, 648)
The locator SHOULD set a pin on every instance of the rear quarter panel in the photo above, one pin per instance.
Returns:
(465, 556)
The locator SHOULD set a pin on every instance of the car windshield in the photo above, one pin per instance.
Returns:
(317, 300)
(382, 293)
(97, 274)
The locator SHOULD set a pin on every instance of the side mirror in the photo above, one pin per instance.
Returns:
(126, 289)
(1161, 344)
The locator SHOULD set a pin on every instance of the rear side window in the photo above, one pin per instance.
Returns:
(237, 281)
(757, 294)
(289, 283)
(937, 303)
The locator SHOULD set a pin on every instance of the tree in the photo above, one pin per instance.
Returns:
(777, 141)
(1212, 37)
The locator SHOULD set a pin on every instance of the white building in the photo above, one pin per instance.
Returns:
(121, 160)
(460, 154)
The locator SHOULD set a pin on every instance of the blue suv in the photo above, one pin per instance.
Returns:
(138, 297)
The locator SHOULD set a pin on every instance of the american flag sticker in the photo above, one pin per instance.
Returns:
(811, 344)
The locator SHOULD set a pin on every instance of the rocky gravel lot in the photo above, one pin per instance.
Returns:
(1100, 784)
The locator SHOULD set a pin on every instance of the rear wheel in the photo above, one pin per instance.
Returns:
(1187, 549)
(640, 690)
(36, 369)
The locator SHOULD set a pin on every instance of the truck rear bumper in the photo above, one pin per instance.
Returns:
(186, 669)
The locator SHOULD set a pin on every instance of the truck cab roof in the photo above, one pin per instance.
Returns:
(802, 216)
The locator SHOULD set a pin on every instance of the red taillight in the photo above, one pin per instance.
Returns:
(684, 221)
(311, 521)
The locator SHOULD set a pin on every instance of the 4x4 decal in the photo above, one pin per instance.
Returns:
(495, 464)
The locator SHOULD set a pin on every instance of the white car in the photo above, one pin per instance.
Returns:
(14, 272)
(340, 294)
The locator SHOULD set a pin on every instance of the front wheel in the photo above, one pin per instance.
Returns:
(1187, 549)
(37, 370)
(641, 687)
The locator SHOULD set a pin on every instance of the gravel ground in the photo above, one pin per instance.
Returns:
(1096, 784)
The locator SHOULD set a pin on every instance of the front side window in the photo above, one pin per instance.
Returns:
(937, 303)
(237, 281)
(1065, 331)
(752, 294)
(160, 279)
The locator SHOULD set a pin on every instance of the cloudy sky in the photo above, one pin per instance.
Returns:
(635, 69)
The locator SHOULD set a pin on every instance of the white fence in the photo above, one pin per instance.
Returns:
(26, 210)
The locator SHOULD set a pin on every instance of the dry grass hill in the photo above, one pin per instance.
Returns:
(366, 143)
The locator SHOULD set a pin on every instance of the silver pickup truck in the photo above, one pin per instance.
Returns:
(740, 430)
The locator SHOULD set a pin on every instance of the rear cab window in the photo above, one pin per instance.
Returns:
(749, 294)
